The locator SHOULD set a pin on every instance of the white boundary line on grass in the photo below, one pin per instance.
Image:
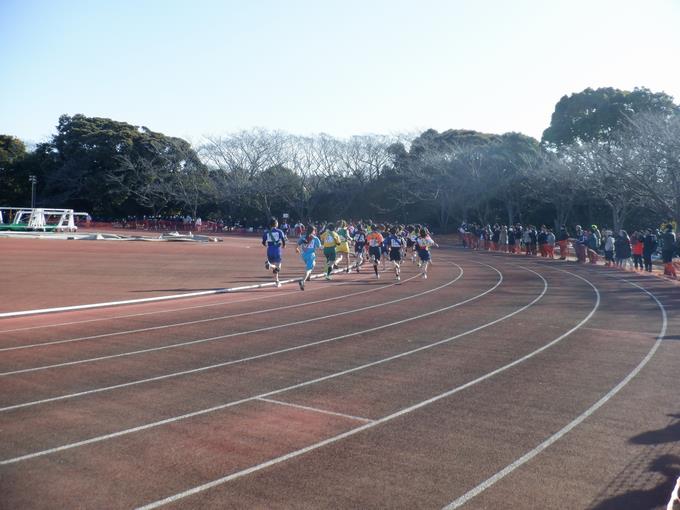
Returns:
(294, 386)
(231, 335)
(406, 410)
(574, 423)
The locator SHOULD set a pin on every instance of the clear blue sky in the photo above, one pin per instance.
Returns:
(193, 68)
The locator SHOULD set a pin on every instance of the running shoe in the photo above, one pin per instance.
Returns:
(328, 277)
(301, 283)
(278, 284)
(266, 264)
(377, 276)
(424, 275)
(398, 278)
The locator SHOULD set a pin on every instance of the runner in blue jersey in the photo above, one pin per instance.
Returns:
(395, 244)
(307, 246)
(274, 239)
(359, 245)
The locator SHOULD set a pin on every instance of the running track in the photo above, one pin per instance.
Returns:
(499, 382)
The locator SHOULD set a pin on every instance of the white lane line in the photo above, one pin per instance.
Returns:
(380, 421)
(198, 321)
(315, 409)
(90, 306)
(229, 335)
(170, 310)
(240, 360)
(575, 423)
(288, 388)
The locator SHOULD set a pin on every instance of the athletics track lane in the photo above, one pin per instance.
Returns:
(170, 396)
(419, 437)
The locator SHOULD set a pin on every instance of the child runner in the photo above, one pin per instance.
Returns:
(343, 249)
(274, 239)
(395, 244)
(307, 246)
(423, 244)
(359, 245)
(330, 241)
(374, 240)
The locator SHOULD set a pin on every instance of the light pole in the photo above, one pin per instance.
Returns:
(33, 180)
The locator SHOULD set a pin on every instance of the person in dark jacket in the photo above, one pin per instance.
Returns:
(668, 245)
(562, 239)
(649, 245)
(623, 250)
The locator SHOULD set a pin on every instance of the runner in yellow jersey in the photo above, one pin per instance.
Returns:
(330, 241)
(343, 248)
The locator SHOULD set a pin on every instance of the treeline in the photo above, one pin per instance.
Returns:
(609, 157)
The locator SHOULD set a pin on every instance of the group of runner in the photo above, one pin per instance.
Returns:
(366, 241)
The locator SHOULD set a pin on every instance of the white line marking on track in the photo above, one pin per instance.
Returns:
(249, 358)
(197, 321)
(315, 409)
(171, 310)
(577, 421)
(230, 335)
(295, 386)
(349, 433)
(91, 306)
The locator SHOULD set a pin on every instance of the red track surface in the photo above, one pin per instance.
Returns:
(317, 399)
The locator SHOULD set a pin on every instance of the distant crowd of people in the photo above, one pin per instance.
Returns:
(590, 244)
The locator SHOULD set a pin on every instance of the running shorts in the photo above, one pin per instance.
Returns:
(374, 252)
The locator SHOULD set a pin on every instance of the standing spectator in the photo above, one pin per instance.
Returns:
(550, 243)
(541, 239)
(650, 244)
(503, 239)
(495, 238)
(623, 250)
(580, 243)
(563, 240)
(533, 239)
(512, 240)
(609, 244)
(637, 245)
(668, 250)
(593, 244)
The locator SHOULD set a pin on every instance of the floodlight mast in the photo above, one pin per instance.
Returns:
(33, 180)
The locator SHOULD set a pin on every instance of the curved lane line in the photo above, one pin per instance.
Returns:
(299, 385)
(268, 295)
(314, 381)
(198, 321)
(233, 362)
(108, 304)
(351, 432)
(574, 423)
(169, 310)
(231, 335)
